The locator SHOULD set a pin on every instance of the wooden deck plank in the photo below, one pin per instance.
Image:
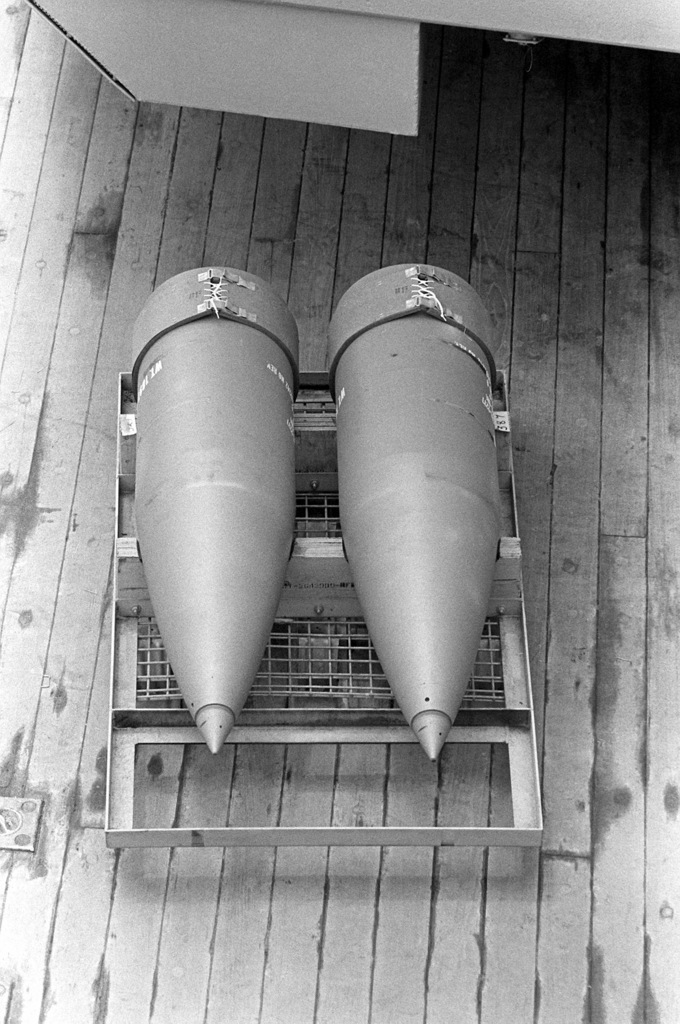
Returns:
(34, 884)
(100, 204)
(407, 212)
(123, 982)
(568, 736)
(508, 944)
(534, 339)
(239, 943)
(73, 970)
(508, 929)
(402, 940)
(92, 767)
(456, 952)
(83, 596)
(22, 154)
(617, 949)
(540, 195)
(316, 240)
(146, 190)
(35, 580)
(363, 208)
(563, 969)
(38, 295)
(34, 583)
(626, 319)
(186, 215)
(455, 151)
(662, 988)
(532, 415)
(233, 195)
(127, 977)
(496, 191)
(13, 27)
(347, 952)
(181, 982)
(272, 240)
(294, 930)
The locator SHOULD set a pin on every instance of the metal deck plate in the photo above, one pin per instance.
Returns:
(19, 820)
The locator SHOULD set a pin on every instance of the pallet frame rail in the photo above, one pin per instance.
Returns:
(319, 591)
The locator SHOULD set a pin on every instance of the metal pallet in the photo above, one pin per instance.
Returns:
(320, 680)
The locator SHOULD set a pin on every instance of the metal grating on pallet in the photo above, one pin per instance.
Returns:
(314, 408)
(330, 664)
(317, 515)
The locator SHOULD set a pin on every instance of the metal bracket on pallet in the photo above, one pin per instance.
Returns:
(320, 663)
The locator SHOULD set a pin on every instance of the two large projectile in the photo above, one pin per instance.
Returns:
(411, 372)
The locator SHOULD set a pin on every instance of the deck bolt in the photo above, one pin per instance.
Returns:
(318, 609)
(28, 805)
(136, 609)
(314, 485)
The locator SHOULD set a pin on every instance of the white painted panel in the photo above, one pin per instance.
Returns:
(245, 57)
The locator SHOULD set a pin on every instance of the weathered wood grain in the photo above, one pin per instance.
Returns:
(146, 191)
(294, 931)
(508, 931)
(496, 189)
(13, 28)
(363, 208)
(127, 978)
(23, 153)
(532, 414)
(456, 955)
(617, 951)
(80, 605)
(272, 240)
(186, 214)
(36, 577)
(346, 964)
(455, 151)
(241, 928)
(402, 939)
(316, 240)
(70, 661)
(100, 204)
(181, 981)
(563, 965)
(540, 193)
(568, 736)
(407, 211)
(233, 194)
(32, 593)
(73, 968)
(626, 312)
(38, 294)
(661, 995)
(508, 943)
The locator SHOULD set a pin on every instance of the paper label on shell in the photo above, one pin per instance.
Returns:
(128, 424)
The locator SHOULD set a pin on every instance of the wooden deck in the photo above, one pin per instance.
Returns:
(556, 192)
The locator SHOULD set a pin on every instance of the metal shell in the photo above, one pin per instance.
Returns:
(215, 500)
(419, 501)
